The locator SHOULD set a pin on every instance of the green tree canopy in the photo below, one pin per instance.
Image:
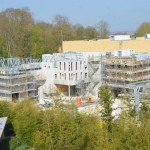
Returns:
(143, 29)
(106, 100)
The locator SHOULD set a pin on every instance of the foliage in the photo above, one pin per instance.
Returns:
(143, 29)
(62, 127)
(103, 29)
(105, 96)
(21, 36)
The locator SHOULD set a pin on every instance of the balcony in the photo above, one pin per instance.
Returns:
(66, 82)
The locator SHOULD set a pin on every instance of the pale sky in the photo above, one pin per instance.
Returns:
(122, 15)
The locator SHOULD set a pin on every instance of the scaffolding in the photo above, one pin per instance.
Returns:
(16, 80)
(90, 85)
(118, 71)
(94, 74)
(141, 95)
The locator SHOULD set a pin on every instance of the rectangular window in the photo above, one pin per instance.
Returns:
(76, 66)
(60, 65)
(60, 75)
(65, 75)
(86, 75)
(55, 76)
(69, 76)
(64, 66)
(80, 64)
(71, 66)
(119, 53)
(76, 76)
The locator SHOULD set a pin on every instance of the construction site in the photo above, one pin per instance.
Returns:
(72, 73)
(94, 79)
(128, 74)
(19, 78)
(76, 75)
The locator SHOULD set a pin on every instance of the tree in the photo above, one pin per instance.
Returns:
(90, 32)
(143, 29)
(103, 29)
(26, 122)
(105, 96)
(78, 31)
(15, 27)
(63, 29)
(36, 42)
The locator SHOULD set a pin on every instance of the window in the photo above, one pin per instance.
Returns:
(60, 75)
(71, 66)
(55, 76)
(60, 65)
(80, 64)
(85, 75)
(119, 53)
(76, 76)
(71, 76)
(64, 66)
(65, 75)
(76, 66)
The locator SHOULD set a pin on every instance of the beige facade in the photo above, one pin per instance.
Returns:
(106, 45)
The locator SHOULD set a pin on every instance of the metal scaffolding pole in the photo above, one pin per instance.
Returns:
(137, 86)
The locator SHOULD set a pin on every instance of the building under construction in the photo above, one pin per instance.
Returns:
(124, 68)
(18, 78)
(94, 77)
(72, 73)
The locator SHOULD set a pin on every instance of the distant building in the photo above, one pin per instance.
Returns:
(147, 36)
(106, 45)
(120, 37)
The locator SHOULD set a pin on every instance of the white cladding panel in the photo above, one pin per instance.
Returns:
(122, 53)
(147, 36)
(120, 37)
(70, 72)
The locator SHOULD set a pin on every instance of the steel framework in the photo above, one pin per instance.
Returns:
(16, 80)
(139, 91)
(120, 71)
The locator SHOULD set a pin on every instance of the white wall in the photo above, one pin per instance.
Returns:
(48, 72)
(73, 72)
(120, 37)
(147, 36)
(122, 53)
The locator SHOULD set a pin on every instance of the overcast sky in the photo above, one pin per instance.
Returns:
(122, 15)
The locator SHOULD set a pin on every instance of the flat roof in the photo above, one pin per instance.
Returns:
(140, 44)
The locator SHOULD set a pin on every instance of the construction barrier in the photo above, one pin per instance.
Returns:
(78, 101)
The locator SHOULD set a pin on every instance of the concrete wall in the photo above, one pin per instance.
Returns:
(120, 37)
(122, 53)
